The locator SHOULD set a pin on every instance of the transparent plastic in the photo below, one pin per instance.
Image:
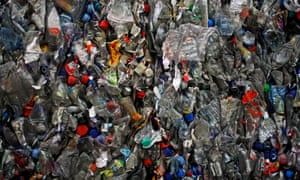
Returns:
(54, 35)
(128, 105)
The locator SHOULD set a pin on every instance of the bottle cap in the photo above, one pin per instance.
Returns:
(92, 112)
(180, 173)
(293, 92)
(103, 24)
(109, 139)
(289, 174)
(181, 160)
(86, 18)
(164, 145)
(90, 8)
(189, 173)
(82, 130)
(93, 133)
(85, 79)
(273, 155)
(146, 142)
(147, 162)
(72, 80)
(100, 139)
(168, 176)
(97, 6)
(140, 94)
(35, 153)
(189, 117)
(210, 23)
(258, 146)
(168, 152)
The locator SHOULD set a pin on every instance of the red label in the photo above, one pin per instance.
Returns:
(54, 31)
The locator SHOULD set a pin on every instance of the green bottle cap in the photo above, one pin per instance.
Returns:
(267, 88)
(146, 142)
(197, 16)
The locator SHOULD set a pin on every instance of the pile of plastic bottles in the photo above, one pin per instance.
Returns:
(150, 89)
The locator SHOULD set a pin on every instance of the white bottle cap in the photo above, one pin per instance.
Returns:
(92, 112)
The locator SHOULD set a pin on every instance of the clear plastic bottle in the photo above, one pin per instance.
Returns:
(54, 35)
(224, 24)
(17, 125)
(267, 127)
(128, 105)
(10, 39)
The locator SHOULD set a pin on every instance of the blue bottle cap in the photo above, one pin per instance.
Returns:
(181, 160)
(90, 8)
(93, 133)
(180, 173)
(168, 152)
(188, 117)
(35, 153)
(86, 17)
(289, 174)
(258, 146)
(100, 139)
(273, 155)
(293, 92)
(97, 6)
(196, 170)
(210, 23)
(94, 16)
(168, 176)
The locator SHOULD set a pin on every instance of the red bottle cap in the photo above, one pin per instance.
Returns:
(143, 33)
(186, 78)
(253, 48)
(103, 24)
(164, 145)
(140, 94)
(85, 79)
(147, 162)
(109, 139)
(82, 130)
(27, 111)
(93, 167)
(72, 80)
(189, 173)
